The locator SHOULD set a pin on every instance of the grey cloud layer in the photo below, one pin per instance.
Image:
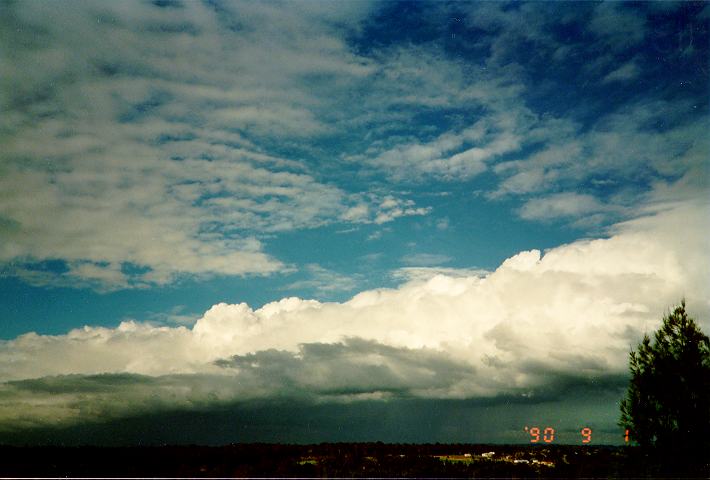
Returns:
(141, 143)
(139, 136)
(303, 421)
(356, 368)
(352, 375)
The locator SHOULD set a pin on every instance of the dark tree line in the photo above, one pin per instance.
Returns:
(667, 406)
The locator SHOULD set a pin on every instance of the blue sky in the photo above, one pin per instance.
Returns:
(164, 163)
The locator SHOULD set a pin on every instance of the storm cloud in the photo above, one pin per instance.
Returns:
(396, 221)
(535, 324)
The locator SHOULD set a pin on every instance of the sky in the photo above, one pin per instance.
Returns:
(343, 221)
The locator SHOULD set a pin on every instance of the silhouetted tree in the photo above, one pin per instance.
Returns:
(667, 405)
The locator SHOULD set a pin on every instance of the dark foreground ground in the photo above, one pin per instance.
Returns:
(343, 460)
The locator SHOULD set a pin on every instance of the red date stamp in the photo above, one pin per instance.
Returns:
(547, 435)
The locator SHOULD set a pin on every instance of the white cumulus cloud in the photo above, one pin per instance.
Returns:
(574, 310)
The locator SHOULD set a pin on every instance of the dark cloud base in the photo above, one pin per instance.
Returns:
(497, 420)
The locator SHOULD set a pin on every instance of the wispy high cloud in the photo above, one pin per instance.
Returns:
(624, 73)
(452, 156)
(561, 205)
(618, 27)
(323, 281)
(425, 259)
(606, 169)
